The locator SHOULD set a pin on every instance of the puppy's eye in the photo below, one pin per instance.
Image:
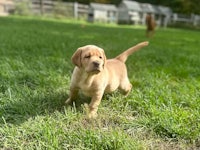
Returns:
(100, 57)
(88, 56)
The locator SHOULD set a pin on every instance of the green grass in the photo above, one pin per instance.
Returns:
(161, 112)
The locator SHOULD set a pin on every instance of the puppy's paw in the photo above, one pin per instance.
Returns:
(91, 114)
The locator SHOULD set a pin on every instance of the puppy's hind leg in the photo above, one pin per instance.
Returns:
(125, 87)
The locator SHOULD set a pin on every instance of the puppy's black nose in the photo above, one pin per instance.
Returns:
(96, 64)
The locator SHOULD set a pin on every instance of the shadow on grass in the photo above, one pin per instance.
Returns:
(18, 111)
(34, 104)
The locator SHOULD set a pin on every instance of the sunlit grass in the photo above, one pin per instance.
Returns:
(161, 112)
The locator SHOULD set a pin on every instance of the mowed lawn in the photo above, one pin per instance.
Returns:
(161, 112)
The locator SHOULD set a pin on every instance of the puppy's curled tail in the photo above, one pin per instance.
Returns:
(123, 56)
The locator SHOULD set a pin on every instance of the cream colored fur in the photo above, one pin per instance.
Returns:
(94, 75)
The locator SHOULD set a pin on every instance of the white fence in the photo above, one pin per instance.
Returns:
(72, 10)
(66, 9)
(189, 19)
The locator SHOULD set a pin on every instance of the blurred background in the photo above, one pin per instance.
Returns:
(166, 13)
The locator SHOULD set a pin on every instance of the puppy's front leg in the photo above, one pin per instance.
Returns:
(72, 95)
(93, 106)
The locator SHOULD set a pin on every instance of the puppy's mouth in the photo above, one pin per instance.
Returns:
(96, 70)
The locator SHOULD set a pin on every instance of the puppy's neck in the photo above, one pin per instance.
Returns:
(85, 77)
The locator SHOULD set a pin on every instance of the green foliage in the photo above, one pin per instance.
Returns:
(161, 112)
(59, 10)
(178, 6)
(22, 7)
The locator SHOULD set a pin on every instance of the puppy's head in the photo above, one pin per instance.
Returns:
(91, 58)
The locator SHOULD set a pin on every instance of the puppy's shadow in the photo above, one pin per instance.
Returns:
(80, 101)
(18, 111)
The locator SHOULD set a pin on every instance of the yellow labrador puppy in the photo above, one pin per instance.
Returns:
(94, 75)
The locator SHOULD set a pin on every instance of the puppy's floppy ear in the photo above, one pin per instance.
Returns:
(104, 57)
(76, 57)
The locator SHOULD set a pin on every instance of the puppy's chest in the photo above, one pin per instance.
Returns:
(87, 87)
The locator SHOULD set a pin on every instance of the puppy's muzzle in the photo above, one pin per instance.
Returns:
(96, 67)
(96, 64)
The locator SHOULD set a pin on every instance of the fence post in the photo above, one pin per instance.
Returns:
(194, 21)
(75, 10)
(41, 7)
